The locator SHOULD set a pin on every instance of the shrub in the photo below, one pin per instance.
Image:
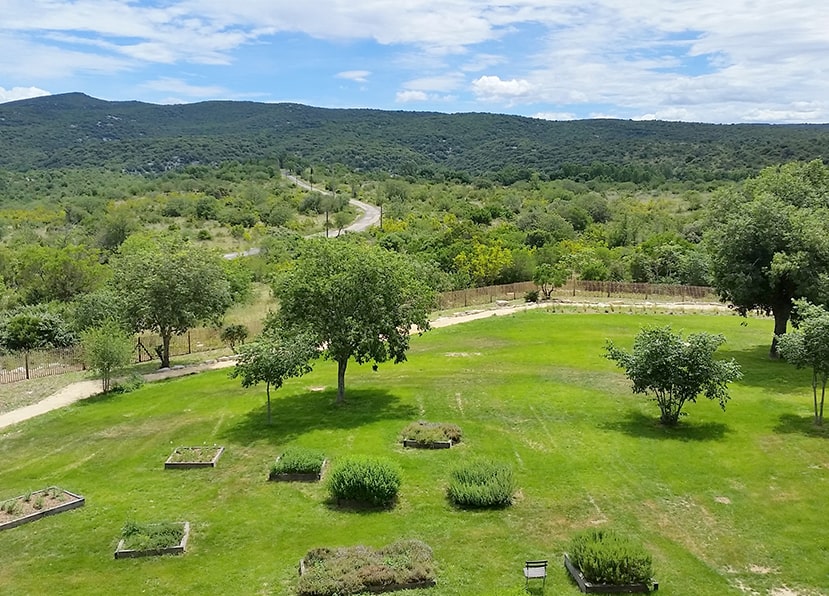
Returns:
(298, 460)
(372, 481)
(605, 557)
(131, 383)
(234, 334)
(151, 536)
(358, 569)
(480, 484)
(531, 296)
(424, 433)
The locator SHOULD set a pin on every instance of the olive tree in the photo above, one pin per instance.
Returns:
(355, 301)
(808, 347)
(675, 370)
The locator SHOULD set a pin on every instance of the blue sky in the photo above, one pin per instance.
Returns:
(691, 60)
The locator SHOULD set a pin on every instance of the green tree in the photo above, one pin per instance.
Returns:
(483, 262)
(770, 243)
(272, 358)
(675, 370)
(107, 348)
(549, 277)
(33, 328)
(808, 347)
(45, 273)
(355, 300)
(169, 286)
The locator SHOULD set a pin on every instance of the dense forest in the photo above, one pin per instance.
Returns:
(74, 130)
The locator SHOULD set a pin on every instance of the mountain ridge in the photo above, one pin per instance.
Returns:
(77, 130)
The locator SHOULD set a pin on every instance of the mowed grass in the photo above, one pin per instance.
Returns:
(727, 503)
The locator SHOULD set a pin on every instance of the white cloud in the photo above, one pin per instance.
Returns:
(358, 76)
(411, 96)
(494, 89)
(558, 116)
(689, 59)
(16, 93)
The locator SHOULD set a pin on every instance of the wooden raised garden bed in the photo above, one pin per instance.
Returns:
(591, 588)
(177, 549)
(430, 435)
(37, 504)
(429, 445)
(194, 457)
(298, 477)
(368, 568)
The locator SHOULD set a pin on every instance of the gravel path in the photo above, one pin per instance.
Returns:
(83, 389)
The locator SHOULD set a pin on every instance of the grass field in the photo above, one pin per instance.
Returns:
(728, 503)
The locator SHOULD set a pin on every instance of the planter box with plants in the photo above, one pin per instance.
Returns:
(364, 482)
(194, 457)
(298, 464)
(430, 435)
(149, 540)
(402, 565)
(480, 484)
(37, 504)
(604, 562)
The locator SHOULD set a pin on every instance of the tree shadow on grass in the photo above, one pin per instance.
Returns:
(294, 415)
(641, 426)
(789, 424)
(776, 376)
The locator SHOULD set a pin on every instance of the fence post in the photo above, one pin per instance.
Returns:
(189, 349)
(26, 362)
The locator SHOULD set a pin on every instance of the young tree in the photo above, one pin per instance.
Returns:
(355, 300)
(272, 358)
(169, 286)
(676, 370)
(234, 334)
(108, 348)
(808, 347)
(770, 243)
(549, 277)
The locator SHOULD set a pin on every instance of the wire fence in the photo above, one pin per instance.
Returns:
(579, 288)
(35, 364)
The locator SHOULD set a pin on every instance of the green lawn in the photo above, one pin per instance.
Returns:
(727, 503)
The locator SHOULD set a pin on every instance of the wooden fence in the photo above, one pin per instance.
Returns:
(576, 289)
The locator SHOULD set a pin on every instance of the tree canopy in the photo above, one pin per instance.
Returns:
(769, 242)
(169, 286)
(354, 300)
(675, 370)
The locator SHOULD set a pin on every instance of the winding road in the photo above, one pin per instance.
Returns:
(370, 216)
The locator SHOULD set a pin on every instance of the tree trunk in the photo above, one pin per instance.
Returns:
(341, 364)
(814, 395)
(268, 392)
(781, 313)
(165, 349)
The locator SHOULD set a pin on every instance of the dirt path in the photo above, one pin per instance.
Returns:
(83, 389)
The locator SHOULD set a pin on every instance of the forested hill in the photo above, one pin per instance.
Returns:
(74, 130)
